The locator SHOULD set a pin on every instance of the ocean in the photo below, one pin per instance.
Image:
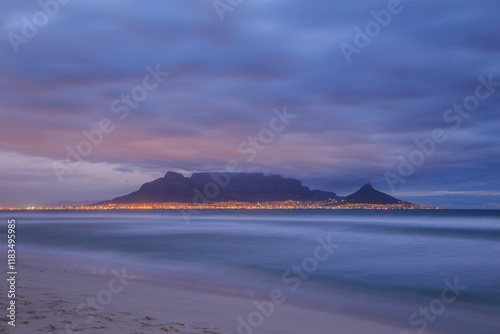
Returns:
(436, 271)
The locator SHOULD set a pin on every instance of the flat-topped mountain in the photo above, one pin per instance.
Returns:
(240, 187)
(223, 187)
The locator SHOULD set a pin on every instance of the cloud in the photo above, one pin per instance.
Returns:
(353, 120)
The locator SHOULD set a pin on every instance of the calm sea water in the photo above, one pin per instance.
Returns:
(386, 265)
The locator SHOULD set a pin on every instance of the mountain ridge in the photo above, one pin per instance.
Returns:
(206, 187)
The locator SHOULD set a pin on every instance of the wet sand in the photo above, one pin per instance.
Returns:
(65, 299)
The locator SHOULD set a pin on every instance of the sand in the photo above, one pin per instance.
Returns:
(49, 299)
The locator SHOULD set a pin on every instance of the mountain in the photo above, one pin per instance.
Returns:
(367, 194)
(241, 187)
(222, 187)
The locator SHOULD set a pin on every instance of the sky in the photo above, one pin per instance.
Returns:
(404, 95)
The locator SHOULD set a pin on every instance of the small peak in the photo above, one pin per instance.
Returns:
(367, 186)
(173, 176)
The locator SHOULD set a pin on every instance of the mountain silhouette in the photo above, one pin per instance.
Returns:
(222, 187)
(367, 194)
(240, 187)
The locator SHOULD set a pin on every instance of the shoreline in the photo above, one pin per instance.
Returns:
(57, 300)
(214, 275)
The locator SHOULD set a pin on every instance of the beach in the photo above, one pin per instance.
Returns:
(49, 299)
(276, 272)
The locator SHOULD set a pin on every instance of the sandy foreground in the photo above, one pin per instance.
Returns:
(56, 300)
